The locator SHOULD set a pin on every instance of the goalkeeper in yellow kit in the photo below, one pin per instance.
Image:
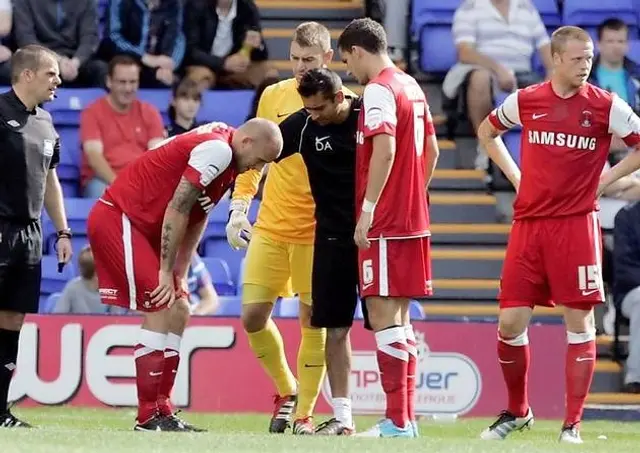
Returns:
(280, 253)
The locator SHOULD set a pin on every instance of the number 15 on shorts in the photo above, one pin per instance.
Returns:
(589, 280)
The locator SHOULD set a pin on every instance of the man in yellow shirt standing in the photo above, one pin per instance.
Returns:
(280, 252)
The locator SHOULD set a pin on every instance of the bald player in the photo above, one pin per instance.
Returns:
(144, 231)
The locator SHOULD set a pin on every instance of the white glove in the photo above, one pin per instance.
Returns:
(238, 228)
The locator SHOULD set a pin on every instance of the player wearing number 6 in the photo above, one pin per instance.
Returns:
(395, 158)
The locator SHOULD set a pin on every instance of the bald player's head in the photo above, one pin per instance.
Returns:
(256, 143)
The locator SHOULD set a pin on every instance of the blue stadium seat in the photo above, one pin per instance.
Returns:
(231, 107)
(634, 50)
(220, 215)
(287, 307)
(437, 51)
(549, 13)
(229, 306)
(52, 281)
(220, 276)
(219, 248)
(70, 187)
(636, 7)
(358, 314)
(77, 210)
(416, 311)
(512, 142)
(433, 12)
(240, 279)
(590, 13)
(70, 102)
(69, 167)
(431, 24)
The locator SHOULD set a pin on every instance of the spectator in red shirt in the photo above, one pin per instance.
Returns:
(117, 128)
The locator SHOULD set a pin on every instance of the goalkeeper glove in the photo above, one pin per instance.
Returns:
(238, 228)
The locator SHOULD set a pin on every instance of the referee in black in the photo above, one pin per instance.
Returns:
(324, 133)
(29, 153)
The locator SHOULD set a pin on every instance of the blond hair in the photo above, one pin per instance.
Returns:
(560, 37)
(309, 34)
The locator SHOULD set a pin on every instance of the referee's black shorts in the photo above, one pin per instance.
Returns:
(20, 257)
(334, 283)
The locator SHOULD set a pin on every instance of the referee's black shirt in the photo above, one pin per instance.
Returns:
(29, 147)
(329, 152)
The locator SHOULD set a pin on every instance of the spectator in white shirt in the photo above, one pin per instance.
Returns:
(496, 40)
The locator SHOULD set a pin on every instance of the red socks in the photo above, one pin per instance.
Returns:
(514, 357)
(171, 362)
(149, 358)
(411, 371)
(580, 364)
(393, 361)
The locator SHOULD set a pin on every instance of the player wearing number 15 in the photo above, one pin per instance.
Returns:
(554, 251)
(395, 158)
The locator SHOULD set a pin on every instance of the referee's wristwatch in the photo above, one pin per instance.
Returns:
(66, 233)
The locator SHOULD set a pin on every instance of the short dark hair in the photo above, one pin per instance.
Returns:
(365, 33)
(28, 57)
(322, 80)
(613, 23)
(121, 60)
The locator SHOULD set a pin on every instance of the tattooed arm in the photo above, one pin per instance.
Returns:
(207, 160)
(174, 225)
(188, 247)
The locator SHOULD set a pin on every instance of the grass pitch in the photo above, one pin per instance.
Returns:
(73, 430)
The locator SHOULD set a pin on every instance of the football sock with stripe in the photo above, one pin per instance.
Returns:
(580, 365)
(393, 359)
(514, 357)
(149, 358)
(169, 372)
(411, 371)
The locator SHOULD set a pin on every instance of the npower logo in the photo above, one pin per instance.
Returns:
(446, 383)
(109, 376)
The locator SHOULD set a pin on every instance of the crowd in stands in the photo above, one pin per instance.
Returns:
(188, 46)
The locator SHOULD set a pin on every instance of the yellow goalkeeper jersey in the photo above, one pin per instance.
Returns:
(287, 210)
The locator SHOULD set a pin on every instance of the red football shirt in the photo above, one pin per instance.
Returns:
(393, 103)
(564, 145)
(145, 187)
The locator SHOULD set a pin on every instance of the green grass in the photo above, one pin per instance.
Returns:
(71, 430)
